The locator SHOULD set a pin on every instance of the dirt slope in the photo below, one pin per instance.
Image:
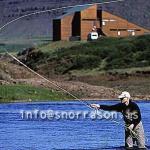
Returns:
(12, 73)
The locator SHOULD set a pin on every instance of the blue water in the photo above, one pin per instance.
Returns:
(52, 134)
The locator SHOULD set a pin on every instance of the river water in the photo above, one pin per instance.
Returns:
(19, 130)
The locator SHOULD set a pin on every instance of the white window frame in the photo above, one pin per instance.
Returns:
(119, 33)
(104, 23)
(133, 33)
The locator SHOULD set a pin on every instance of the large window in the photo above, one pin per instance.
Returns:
(132, 32)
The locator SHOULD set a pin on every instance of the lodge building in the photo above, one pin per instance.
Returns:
(79, 21)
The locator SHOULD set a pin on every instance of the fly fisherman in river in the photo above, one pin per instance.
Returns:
(132, 117)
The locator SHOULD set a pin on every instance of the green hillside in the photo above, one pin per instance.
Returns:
(118, 63)
(102, 55)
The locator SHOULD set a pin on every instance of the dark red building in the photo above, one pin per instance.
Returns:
(79, 21)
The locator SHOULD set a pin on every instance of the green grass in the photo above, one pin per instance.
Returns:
(101, 55)
(93, 72)
(55, 46)
(19, 93)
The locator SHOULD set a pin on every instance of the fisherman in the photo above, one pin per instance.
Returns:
(132, 117)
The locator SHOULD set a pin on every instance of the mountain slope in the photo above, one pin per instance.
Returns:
(136, 11)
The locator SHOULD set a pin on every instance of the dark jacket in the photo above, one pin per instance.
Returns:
(131, 113)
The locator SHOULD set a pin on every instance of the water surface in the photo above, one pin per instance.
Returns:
(37, 134)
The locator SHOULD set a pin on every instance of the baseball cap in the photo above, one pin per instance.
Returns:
(124, 94)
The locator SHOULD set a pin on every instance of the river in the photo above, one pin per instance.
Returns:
(19, 131)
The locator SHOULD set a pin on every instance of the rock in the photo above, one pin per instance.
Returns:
(2, 82)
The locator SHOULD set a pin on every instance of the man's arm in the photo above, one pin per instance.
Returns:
(118, 107)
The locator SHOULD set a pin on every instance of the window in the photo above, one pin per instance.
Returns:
(112, 20)
(104, 23)
(119, 33)
(133, 33)
(117, 29)
(130, 30)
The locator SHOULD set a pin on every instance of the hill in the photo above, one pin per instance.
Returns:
(40, 25)
(118, 63)
(18, 84)
(98, 69)
(103, 54)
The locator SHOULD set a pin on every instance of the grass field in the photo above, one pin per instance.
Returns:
(19, 93)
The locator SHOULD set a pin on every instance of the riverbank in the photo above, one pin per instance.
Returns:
(28, 93)
(89, 70)
(38, 90)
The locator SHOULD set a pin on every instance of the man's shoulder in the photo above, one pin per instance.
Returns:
(133, 103)
(120, 104)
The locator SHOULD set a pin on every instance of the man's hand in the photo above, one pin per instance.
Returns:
(96, 106)
(131, 127)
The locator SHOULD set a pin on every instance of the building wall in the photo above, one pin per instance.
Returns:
(89, 13)
(86, 28)
(66, 27)
(116, 26)
(88, 20)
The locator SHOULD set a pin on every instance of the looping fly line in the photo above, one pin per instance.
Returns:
(47, 80)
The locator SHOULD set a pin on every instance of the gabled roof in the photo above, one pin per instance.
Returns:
(73, 10)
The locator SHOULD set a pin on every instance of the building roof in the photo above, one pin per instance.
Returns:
(73, 10)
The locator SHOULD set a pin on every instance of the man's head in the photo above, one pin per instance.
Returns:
(125, 97)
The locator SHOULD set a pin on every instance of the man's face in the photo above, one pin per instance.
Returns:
(125, 101)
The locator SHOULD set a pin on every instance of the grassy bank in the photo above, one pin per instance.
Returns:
(19, 93)
(118, 63)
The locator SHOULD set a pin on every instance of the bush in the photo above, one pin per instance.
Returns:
(105, 53)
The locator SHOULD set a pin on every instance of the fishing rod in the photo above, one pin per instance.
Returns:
(64, 90)
(51, 82)
(47, 80)
(134, 134)
(59, 87)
